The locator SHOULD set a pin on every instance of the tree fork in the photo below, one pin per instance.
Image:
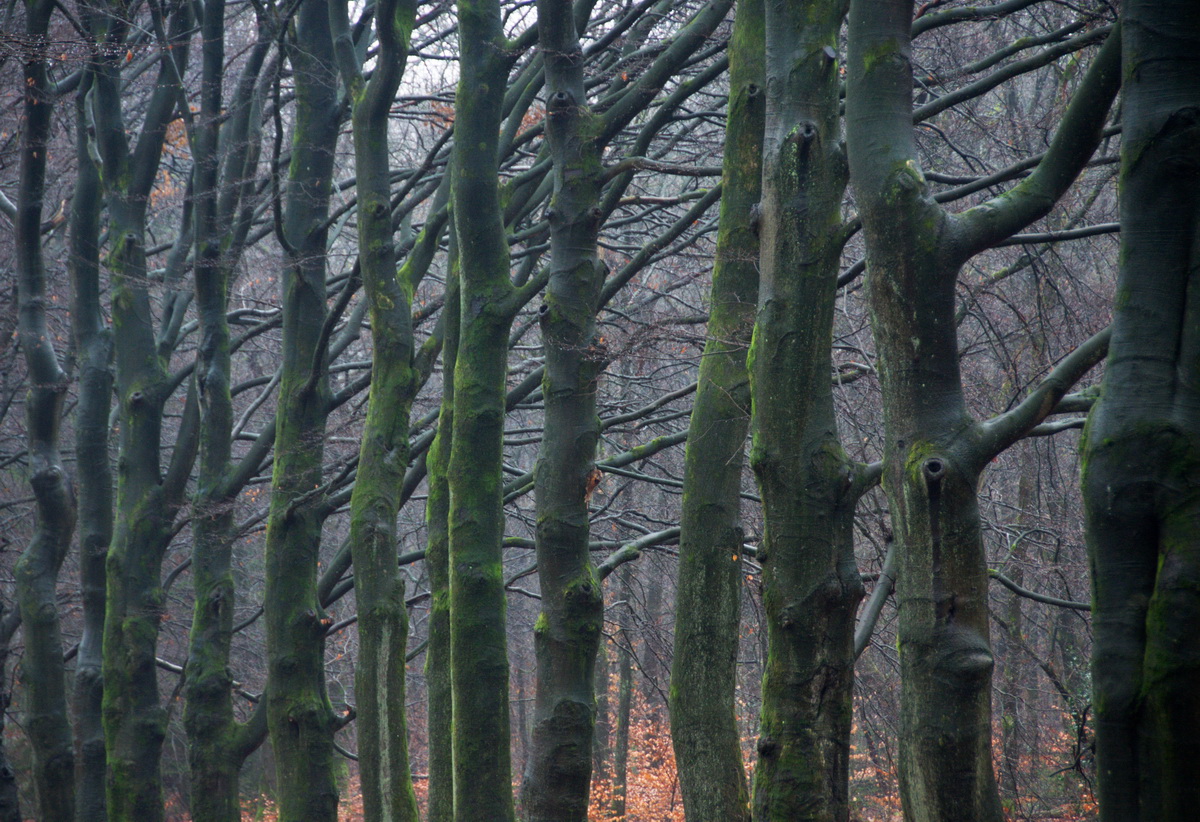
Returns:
(147, 497)
(379, 677)
(811, 585)
(934, 451)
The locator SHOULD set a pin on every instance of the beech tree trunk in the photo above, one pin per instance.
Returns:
(94, 350)
(479, 655)
(811, 584)
(704, 730)
(379, 676)
(42, 671)
(566, 636)
(440, 729)
(934, 451)
(558, 774)
(1141, 456)
(217, 743)
(147, 496)
(624, 705)
(299, 714)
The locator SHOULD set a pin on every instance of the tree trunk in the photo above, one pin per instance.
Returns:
(1142, 452)
(704, 729)
(934, 451)
(147, 497)
(479, 656)
(440, 729)
(94, 347)
(1010, 696)
(811, 584)
(299, 713)
(559, 770)
(217, 743)
(620, 781)
(36, 573)
(10, 800)
(379, 676)
(602, 735)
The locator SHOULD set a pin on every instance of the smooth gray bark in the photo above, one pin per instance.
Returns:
(42, 671)
(94, 350)
(299, 713)
(1142, 451)
(704, 729)
(934, 450)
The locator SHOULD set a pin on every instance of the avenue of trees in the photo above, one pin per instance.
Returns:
(609, 409)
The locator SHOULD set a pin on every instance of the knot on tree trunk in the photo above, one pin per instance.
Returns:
(933, 469)
(1180, 138)
(560, 101)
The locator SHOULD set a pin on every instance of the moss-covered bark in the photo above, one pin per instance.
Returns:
(299, 714)
(704, 731)
(147, 496)
(479, 656)
(379, 676)
(934, 451)
(217, 743)
(1142, 451)
(36, 572)
(811, 585)
(558, 774)
(440, 710)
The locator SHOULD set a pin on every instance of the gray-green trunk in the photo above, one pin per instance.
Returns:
(704, 728)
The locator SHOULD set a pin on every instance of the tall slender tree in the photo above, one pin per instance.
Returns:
(299, 713)
(217, 743)
(567, 633)
(383, 459)
(487, 305)
(439, 693)
(704, 728)
(93, 354)
(1142, 453)
(43, 675)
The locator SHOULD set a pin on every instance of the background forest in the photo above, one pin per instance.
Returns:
(614, 410)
